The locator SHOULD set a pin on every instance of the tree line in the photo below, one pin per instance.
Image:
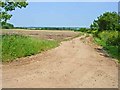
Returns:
(106, 21)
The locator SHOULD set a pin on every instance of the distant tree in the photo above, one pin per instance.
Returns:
(7, 6)
(7, 26)
(107, 21)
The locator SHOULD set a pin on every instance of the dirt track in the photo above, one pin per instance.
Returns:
(72, 64)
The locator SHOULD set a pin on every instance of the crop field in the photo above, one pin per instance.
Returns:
(44, 34)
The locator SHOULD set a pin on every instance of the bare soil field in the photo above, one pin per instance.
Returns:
(74, 64)
(43, 34)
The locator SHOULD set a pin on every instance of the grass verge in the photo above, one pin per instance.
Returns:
(16, 46)
(109, 40)
(112, 50)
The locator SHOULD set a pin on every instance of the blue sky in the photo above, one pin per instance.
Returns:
(60, 14)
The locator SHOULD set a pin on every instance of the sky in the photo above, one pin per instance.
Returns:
(73, 0)
(60, 14)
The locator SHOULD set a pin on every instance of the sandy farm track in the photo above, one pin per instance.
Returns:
(74, 64)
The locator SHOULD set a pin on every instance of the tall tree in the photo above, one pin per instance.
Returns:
(107, 21)
(6, 6)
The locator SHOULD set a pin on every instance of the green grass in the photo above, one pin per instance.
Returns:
(16, 46)
(112, 50)
(110, 37)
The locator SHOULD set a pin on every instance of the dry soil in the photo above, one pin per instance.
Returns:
(74, 64)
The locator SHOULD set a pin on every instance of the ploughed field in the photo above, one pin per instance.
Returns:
(43, 34)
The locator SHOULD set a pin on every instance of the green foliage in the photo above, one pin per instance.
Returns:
(7, 26)
(16, 46)
(112, 50)
(94, 32)
(84, 30)
(107, 21)
(10, 6)
(4, 16)
(110, 37)
(110, 42)
(94, 26)
(106, 33)
(87, 30)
